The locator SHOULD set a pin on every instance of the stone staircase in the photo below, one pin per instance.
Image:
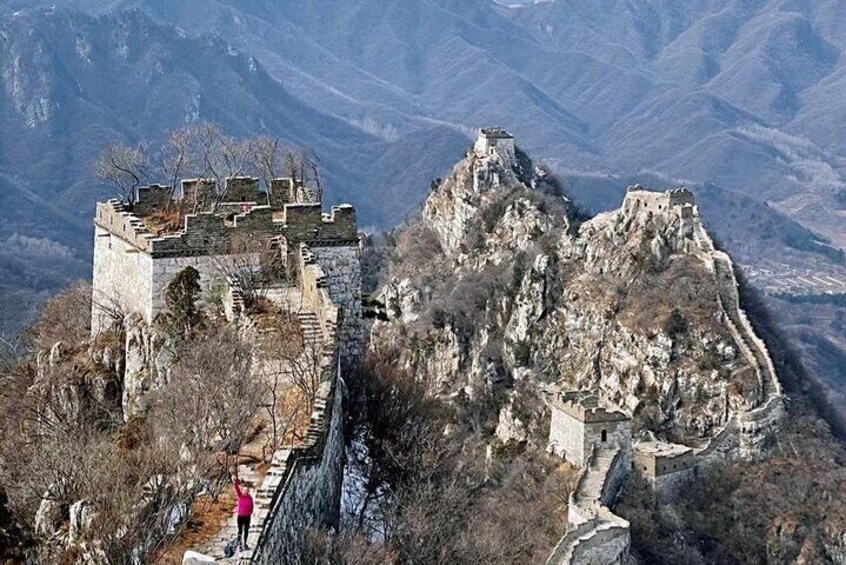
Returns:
(264, 488)
(599, 531)
(729, 299)
(591, 524)
(590, 488)
(770, 406)
(249, 477)
(310, 326)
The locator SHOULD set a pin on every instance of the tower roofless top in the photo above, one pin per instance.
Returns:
(496, 131)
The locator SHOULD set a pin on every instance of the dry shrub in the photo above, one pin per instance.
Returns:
(163, 222)
(432, 497)
(685, 286)
(64, 318)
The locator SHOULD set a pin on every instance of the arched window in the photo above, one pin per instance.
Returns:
(604, 436)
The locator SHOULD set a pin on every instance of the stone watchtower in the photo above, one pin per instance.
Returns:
(679, 202)
(136, 256)
(580, 424)
(667, 466)
(495, 141)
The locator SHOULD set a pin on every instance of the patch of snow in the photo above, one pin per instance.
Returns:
(83, 49)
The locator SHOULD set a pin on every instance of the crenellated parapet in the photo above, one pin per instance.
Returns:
(495, 141)
(306, 222)
(585, 407)
(314, 287)
(113, 217)
(302, 488)
(140, 247)
(202, 234)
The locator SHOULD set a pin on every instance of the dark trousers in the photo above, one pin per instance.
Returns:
(243, 528)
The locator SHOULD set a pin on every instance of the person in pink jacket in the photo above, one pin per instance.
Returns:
(245, 511)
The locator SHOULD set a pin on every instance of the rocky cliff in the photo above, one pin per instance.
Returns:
(500, 287)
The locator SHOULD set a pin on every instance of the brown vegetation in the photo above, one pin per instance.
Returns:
(768, 511)
(63, 439)
(431, 497)
(65, 318)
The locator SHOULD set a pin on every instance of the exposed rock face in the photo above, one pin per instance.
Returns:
(78, 381)
(81, 517)
(510, 427)
(51, 512)
(514, 289)
(147, 365)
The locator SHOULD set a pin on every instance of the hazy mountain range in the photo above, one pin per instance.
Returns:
(744, 94)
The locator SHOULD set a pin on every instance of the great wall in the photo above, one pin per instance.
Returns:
(133, 264)
(596, 437)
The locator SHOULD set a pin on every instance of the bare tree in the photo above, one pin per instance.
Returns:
(254, 264)
(307, 370)
(282, 340)
(51, 456)
(268, 158)
(206, 153)
(206, 410)
(177, 158)
(125, 168)
(222, 158)
(303, 168)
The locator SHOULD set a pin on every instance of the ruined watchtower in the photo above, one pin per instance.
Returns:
(679, 202)
(580, 423)
(495, 141)
(667, 466)
(140, 246)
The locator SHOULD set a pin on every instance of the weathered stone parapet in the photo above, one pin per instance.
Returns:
(114, 219)
(496, 141)
(667, 467)
(655, 458)
(202, 234)
(230, 225)
(680, 202)
(307, 223)
(149, 199)
(602, 539)
(579, 425)
(132, 265)
(585, 407)
(243, 189)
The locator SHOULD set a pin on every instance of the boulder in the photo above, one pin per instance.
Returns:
(50, 514)
(81, 517)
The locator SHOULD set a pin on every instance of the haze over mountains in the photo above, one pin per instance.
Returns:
(743, 95)
(746, 95)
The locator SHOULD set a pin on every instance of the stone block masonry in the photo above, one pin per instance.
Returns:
(132, 265)
(302, 490)
(306, 222)
(342, 266)
(579, 423)
(134, 282)
(122, 278)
